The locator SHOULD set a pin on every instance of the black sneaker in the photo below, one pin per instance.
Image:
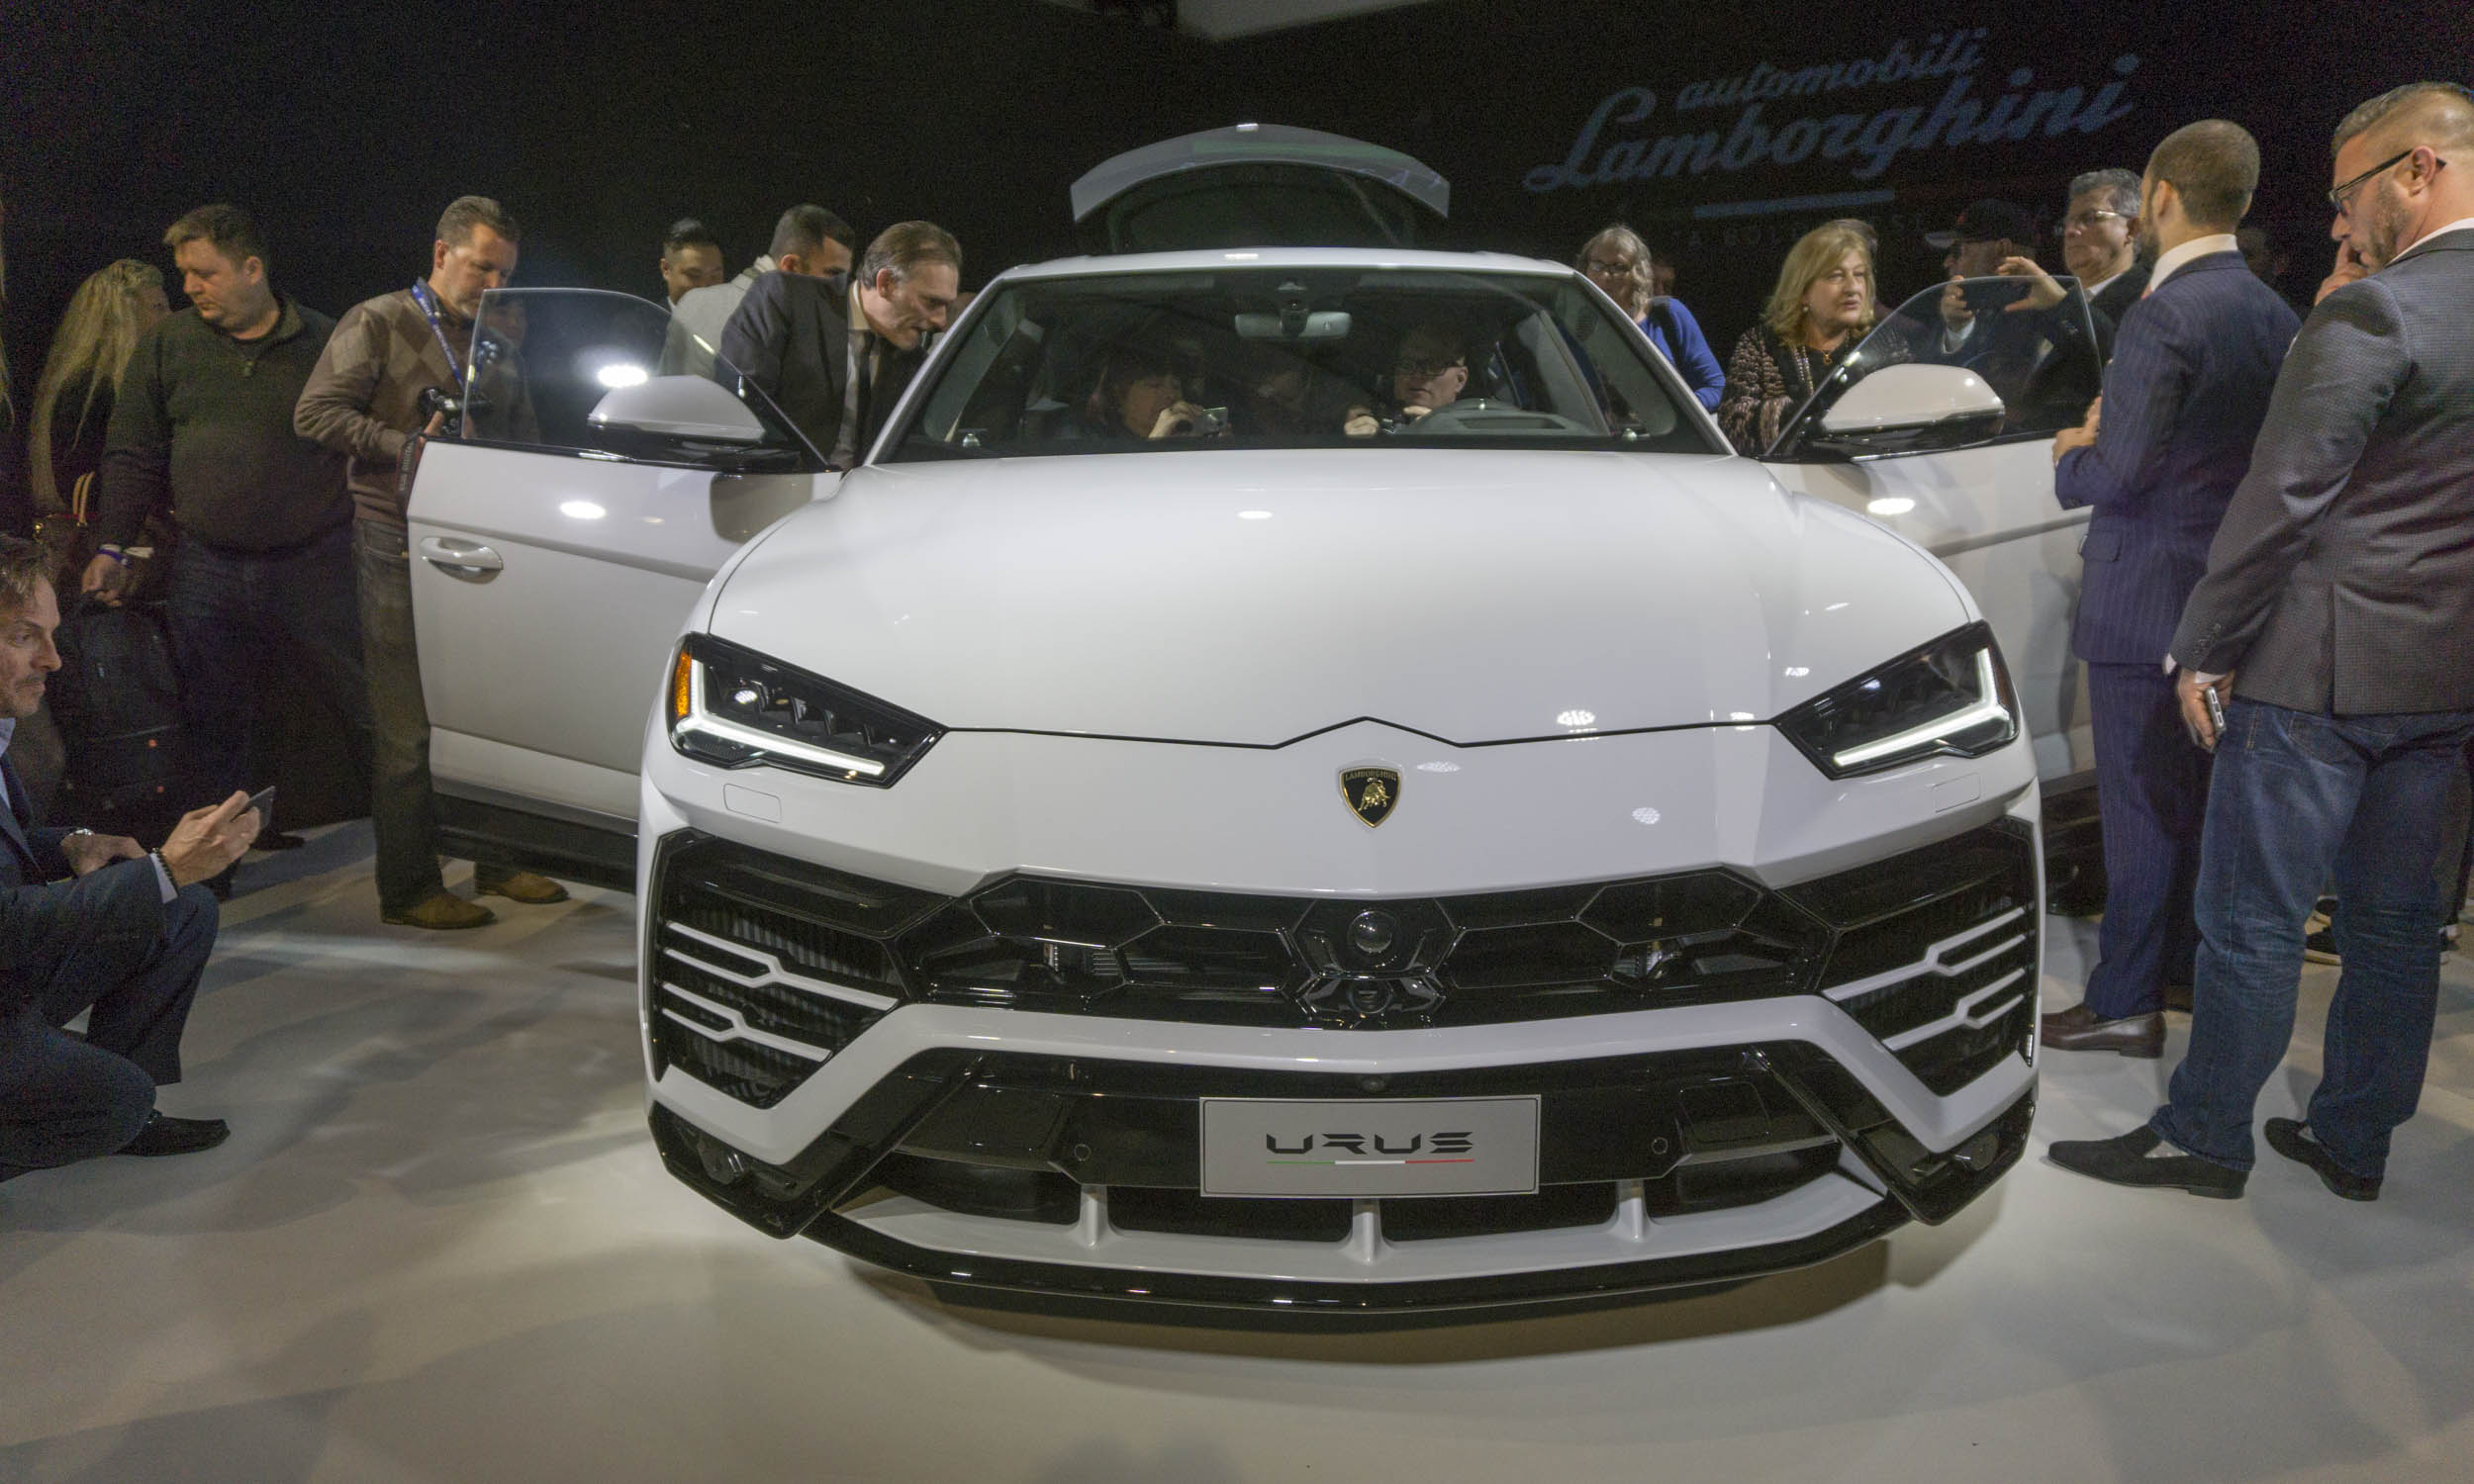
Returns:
(2291, 1137)
(2319, 941)
(2143, 1158)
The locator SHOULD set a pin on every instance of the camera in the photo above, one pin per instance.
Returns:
(439, 402)
(1207, 423)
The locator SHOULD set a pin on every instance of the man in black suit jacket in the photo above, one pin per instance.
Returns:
(2184, 396)
(2336, 623)
(92, 924)
(836, 363)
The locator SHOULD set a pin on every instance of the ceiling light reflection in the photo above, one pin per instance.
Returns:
(622, 373)
(1576, 718)
(582, 510)
(1890, 505)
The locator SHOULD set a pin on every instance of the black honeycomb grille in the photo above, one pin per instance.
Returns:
(1152, 952)
(766, 911)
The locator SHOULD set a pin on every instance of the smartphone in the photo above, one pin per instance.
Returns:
(263, 800)
(2215, 710)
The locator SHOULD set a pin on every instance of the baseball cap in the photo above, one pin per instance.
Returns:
(1987, 221)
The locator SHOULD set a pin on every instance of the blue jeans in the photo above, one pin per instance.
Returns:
(2298, 798)
(233, 615)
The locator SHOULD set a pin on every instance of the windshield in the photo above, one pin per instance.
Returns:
(1296, 358)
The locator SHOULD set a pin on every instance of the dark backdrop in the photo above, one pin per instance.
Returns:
(347, 128)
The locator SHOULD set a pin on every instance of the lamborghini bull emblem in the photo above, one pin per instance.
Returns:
(1371, 791)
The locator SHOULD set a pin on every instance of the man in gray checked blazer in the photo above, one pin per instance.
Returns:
(2337, 618)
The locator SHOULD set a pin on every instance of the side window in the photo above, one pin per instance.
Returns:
(2034, 344)
(579, 371)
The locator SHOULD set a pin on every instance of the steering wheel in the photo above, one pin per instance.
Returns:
(1469, 413)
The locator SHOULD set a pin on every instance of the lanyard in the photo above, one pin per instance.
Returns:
(429, 303)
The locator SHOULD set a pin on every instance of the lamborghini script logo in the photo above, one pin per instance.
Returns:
(1371, 791)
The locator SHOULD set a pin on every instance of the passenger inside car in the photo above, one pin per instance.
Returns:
(1141, 395)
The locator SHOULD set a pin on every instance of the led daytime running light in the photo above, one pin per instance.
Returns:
(1990, 708)
(700, 721)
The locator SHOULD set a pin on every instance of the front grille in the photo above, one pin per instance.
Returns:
(1934, 950)
(1168, 955)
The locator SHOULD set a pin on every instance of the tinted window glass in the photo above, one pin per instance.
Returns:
(1290, 357)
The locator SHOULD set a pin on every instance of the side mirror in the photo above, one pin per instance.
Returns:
(676, 409)
(1908, 408)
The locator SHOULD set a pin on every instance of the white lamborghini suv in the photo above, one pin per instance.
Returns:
(1291, 778)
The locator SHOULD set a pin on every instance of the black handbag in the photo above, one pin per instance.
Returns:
(116, 700)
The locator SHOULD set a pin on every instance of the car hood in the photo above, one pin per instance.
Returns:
(1256, 596)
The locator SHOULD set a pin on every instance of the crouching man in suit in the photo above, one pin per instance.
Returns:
(93, 924)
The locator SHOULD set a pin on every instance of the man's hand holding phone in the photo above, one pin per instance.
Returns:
(207, 841)
(2203, 707)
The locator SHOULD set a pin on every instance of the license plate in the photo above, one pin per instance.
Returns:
(1369, 1148)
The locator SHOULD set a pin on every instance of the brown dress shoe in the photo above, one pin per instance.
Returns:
(2078, 1029)
(441, 912)
(534, 891)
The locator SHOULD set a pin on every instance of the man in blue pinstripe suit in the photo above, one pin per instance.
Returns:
(2193, 366)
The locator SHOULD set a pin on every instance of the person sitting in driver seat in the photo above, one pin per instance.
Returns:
(1429, 370)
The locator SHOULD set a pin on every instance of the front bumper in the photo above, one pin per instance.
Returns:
(815, 1072)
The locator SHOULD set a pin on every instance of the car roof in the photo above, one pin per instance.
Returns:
(1214, 259)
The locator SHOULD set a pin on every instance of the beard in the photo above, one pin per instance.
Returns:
(2384, 223)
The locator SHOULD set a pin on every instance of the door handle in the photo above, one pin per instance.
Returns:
(469, 560)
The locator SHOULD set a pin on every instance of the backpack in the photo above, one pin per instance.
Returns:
(116, 700)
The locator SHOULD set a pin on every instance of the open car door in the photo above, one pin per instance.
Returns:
(1972, 481)
(559, 539)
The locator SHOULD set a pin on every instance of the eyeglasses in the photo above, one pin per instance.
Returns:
(2087, 221)
(2337, 197)
(1606, 267)
(1425, 370)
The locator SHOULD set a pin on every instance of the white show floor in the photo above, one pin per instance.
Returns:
(439, 1246)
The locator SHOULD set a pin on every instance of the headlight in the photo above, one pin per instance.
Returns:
(1952, 696)
(733, 708)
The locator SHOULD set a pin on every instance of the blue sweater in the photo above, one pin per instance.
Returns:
(1692, 357)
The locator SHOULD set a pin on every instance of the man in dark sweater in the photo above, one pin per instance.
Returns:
(204, 420)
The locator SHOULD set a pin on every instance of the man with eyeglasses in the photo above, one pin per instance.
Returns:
(2335, 627)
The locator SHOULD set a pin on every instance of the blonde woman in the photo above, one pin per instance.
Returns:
(1618, 261)
(1821, 307)
(81, 377)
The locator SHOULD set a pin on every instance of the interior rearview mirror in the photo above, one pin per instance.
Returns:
(687, 409)
(1318, 325)
(1909, 407)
